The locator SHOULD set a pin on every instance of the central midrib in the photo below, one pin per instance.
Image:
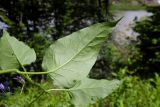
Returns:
(13, 50)
(75, 54)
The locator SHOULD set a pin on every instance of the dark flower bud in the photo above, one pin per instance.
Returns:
(7, 87)
(20, 79)
(2, 87)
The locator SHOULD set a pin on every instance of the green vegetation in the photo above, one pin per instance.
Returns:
(137, 93)
(68, 71)
(141, 75)
(148, 59)
(50, 69)
(123, 5)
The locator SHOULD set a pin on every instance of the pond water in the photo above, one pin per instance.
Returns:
(123, 33)
(3, 25)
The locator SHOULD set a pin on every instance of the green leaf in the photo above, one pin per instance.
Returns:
(4, 18)
(89, 91)
(71, 58)
(14, 53)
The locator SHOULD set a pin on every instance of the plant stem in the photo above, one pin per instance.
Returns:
(57, 90)
(24, 69)
(25, 76)
(36, 99)
(8, 71)
(25, 72)
(22, 89)
(20, 72)
(33, 73)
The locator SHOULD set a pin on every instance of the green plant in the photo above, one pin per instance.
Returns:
(121, 5)
(147, 61)
(67, 61)
(135, 92)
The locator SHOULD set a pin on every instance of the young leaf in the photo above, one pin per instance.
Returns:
(89, 91)
(71, 58)
(14, 53)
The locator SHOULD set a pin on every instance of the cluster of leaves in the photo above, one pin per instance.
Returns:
(31, 15)
(51, 18)
(135, 92)
(110, 60)
(121, 5)
(147, 61)
(67, 61)
(34, 97)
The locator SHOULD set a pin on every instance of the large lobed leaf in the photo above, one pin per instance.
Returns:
(89, 90)
(14, 53)
(72, 57)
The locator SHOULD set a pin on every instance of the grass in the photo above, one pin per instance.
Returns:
(124, 6)
(34, 97)
(136, 93)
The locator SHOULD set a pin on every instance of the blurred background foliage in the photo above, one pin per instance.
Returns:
(40, 22)
(147, 62)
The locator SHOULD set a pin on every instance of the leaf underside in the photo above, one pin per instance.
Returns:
(88, 91)
(70, 58)
(68, 61)
(13, 53)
